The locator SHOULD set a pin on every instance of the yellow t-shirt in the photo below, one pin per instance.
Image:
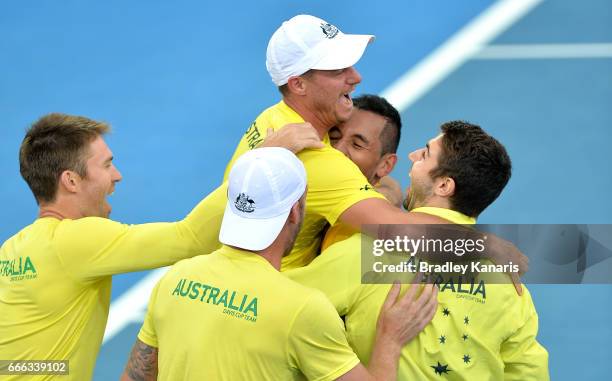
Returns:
(230, 315)
(480, 332)
(338, 232)
(55, 282)
(335, 183)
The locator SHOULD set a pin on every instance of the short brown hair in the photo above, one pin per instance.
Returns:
(477, 162)
(55, 143)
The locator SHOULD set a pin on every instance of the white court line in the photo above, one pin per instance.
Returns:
(131, 305)
(544, 51)
(456, 51)
(402, 93)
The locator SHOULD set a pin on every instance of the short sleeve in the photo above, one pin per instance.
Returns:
(148, 334)
(317, 341)
(335, 183)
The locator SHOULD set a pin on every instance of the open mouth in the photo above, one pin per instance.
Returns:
(348, 99)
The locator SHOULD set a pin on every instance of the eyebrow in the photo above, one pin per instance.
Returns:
(363, 138)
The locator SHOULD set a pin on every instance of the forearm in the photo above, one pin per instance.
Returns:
(367, 215)
(384, 360)
(203, 223)
(142, 365)
(381, 220)
(93, 247)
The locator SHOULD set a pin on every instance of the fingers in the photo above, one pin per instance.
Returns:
(425, 308)
(426, 312)
(430, 312)
(523, 264)
(306, 136)
(431, 304)
(425, 297)
(392, 296)
(269, 131)
(408, 298)
(317, 144)
(517, 283)
(312, 142)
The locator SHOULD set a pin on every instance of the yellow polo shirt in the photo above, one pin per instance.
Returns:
(480, 332)
(335, 183)
(55, 282)
(230, 315)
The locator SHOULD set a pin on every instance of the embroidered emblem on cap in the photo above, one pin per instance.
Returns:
(244, 203)
(329, 30)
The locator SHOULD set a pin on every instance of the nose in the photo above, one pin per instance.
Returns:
(341, 146)
(117, 176)
(414, 155)
(354, 77)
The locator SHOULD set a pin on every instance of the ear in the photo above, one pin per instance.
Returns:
(297, 85)
(70, 181)
(444, 187)
(294, 214)
(386, 165)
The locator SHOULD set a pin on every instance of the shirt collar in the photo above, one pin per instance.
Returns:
(293, 114)
(448, 214)
(243, 255)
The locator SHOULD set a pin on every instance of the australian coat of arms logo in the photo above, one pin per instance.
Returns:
(329, 30)
(244, 203)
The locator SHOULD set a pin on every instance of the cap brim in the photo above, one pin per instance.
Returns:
(343, 51)
(250, 233)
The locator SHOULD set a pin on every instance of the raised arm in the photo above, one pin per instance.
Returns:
(374, 212)
(294, 136)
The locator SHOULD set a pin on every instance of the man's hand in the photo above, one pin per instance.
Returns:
(402, 318)
(294, 136)
(390, 188)
(503, 252)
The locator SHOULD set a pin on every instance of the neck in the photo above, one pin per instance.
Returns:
(436, 202)
(309, 116)
(59, 209)
(275, 252)
(273, 257)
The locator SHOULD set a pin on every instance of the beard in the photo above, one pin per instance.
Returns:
(293, 237)
(418, 194)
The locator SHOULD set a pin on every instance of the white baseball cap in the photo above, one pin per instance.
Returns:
(264, 184)
(306, 42)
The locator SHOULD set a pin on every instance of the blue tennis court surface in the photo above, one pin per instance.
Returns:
(181, 82)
